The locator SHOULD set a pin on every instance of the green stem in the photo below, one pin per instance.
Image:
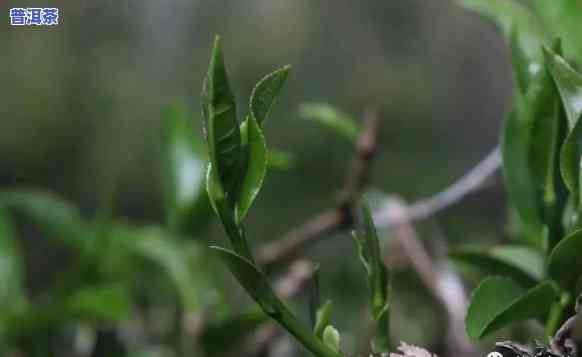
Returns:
(235, 233)
(302, 333)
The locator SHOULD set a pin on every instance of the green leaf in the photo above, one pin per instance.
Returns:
(569, 83)
(562, 19)
(323, 319)
(331, 338)
(548, 132)
(265, 93)
(486, 262)
(104, 303)
(529, 260)
(255, 284)
(378, 280)
(184, 172)
(256, 169)
(498, 302)
(518, 177)
(328, 116)
(221, 126)
(565, 261)
(510, 15)
(54, 216)
(11, 268)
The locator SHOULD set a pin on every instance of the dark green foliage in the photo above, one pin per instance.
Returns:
(541, 161)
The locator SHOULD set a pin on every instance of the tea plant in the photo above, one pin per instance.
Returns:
(537, 275)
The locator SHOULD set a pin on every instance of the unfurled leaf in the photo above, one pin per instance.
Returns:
(486, 262)
(11, 267)
(332, 118)
(52, 215)
(104, 303)
(565, 260)
(184, 172)
(378, 280)
(331, 338)
(569, 83)
(221, 127)
(510, 15)
(255, 284)
(256, 148)
(265, 94)
(498, 302)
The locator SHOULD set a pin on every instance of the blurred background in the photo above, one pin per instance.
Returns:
(80, 112)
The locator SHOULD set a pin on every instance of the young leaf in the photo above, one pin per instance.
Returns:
(256, 167)
(565, 262)
(498, 302)
(569, 83)
(486, 263)
(184, 172)
(52, 215)
(265, 93)
(221, 127)
(329, 116)
(378, 280)
(255, 284)
(331, 338)
(547, 133)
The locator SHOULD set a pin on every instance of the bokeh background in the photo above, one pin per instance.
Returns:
(80, 108)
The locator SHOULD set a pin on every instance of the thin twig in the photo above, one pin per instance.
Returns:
(442, 283)
(340, 217)
(469, 183)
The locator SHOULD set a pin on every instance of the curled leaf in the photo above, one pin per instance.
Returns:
(265, 93)
(256, 170)
(221, 126)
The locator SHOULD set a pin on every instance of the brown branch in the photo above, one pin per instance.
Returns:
(342, 216)
(335, 219)
(472, 181)
(442, 283)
